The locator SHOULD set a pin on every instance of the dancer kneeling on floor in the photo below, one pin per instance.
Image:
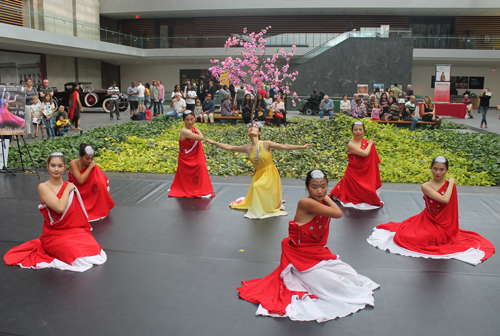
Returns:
(310, 283)
(264, 197)
(92, 184)
(434, 233)
(66, 242)
(191, 177)
(361, 182)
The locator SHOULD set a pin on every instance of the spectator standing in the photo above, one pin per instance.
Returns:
(246, 108)
(179, 106)
(240, 94)
(409, 92)
(429, 113)
(377, 93)
(212, 89)
(232, 90)
(198, 111)
(113, 92)
(345, 105)
(48, 111)
(30, 92)
(469, 105)
(208, 108)
(376, 110)
(262, 91)
(359, 110)
(75, 106)
(409, 113)
(396, 90)
(45, 89)
(190, 98)
(202, 91)
(36, 109)
(222, 93)
(326, 106)
(132, 93)
(155, 98)
(147, 101)
(161, 94)
(484, 105)
(141, 96)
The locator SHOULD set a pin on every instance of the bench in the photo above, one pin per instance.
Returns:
(404, 123)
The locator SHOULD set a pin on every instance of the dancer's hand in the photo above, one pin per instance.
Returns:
(370, 142)
(71, 187)
(209, 141)
(92, 164)
(451, 180)
(307, 146)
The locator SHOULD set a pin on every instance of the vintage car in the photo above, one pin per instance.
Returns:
(89, 97)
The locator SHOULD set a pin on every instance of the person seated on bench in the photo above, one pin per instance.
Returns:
(179, 106)
(246, 108)
(429, 112)
(208, 109)
(394, 113)
(409, 113)
(359, 110)
(260, 108)
(279, 112)
(326, 107)
(225, 109)
(469, 105)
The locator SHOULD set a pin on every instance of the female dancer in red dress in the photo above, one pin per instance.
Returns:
(92, 184)
(310, 283)
(8, 119)
(191, 177)
(75, 106)
(66, 242)
(434, 233)
(361, 182)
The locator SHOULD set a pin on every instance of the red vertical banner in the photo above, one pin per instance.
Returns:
(442, 83)
(442, 92)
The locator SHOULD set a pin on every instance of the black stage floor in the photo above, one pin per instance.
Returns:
(174, 265)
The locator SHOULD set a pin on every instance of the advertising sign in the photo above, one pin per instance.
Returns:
(12, 102)
(443, 72)
(442, 92)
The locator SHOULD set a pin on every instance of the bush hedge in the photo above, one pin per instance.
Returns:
(406, 156)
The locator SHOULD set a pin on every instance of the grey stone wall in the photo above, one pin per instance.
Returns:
(357, 61)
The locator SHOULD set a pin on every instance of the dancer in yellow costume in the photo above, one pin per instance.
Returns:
(265, 195)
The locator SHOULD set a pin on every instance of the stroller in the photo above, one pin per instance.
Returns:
(311, 107)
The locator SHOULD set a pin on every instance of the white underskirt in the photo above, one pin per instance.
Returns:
(79, 265)
(384, 240)
(362, 206)
(340, 290)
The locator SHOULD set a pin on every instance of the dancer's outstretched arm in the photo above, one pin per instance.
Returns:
(274, 145)
(226, 146)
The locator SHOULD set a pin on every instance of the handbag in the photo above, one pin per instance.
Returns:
(235, 113)
(279, 115)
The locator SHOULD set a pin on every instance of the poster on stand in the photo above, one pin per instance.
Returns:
(12, 102)
(379, 86)
(363, 89)
(443, 72)
(442, 92)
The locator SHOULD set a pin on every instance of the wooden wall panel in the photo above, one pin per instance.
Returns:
(139, 27)
(12, 16)
(480, 26)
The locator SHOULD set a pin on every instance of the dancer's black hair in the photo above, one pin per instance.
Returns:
(309, 176)
(440, 156)
(82, 151)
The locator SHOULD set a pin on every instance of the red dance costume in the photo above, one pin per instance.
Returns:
(310, 283)
(433, 233)
(361, 182)
(73, 105)
(66, 242)
(8, 119)
(95, 193)
(191, 178)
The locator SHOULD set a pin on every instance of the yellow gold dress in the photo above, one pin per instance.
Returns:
(264, 196)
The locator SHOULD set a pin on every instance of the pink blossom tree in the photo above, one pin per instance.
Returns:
(262, 69)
